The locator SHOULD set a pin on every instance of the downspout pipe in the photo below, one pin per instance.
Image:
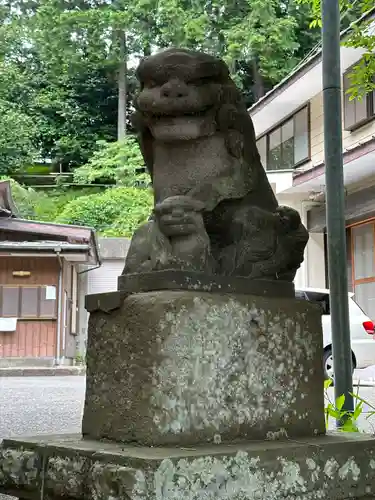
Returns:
(59, 308)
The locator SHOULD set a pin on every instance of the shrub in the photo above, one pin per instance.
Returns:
(119, 162)
(114, 212)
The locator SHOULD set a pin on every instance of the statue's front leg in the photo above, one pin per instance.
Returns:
(148, 248)
(180, 219)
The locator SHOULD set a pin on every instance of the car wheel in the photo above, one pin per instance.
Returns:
(328, 365)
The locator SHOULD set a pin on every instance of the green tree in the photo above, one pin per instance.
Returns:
(17, 132)
(362, 35)
(260, 41)
(75, 59)
(71, 110)
(74, 34)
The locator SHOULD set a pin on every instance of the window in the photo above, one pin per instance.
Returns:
(357, 112)
(363, 265)
(27, 302)
(288, 145)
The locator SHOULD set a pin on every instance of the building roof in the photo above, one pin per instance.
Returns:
(57, 246)
(303, 67)
(36, 233)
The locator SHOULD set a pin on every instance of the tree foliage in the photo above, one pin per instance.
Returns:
(17, 132)
(114, 212)
(74, 45)
(361, 35)
(40, 205)
(120, 162)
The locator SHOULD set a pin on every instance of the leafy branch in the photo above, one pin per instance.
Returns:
(361, 35)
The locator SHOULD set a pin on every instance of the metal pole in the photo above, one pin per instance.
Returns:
(337, 261)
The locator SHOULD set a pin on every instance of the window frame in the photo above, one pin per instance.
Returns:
(370, 103)
(38, 316)
(267, 134)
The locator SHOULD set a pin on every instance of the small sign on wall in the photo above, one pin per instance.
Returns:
(8, 324)
(50, 293)
(21, 274)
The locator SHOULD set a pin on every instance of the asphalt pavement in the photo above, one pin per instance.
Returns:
(40, 405)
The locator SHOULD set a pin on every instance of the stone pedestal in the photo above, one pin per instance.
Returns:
(333, 467)
(187, 368)
(197, 393)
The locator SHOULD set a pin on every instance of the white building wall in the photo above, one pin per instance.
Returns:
(312, 271)
(104, 279)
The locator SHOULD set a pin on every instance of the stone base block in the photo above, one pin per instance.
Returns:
(185, 368)
(333, 467)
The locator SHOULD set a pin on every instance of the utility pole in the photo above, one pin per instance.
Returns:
(337, 262)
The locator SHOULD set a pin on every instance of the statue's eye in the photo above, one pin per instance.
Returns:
(202, 81)
(151, 84)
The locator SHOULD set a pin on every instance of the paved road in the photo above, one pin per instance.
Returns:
(53, 405)
(30, 406)
(40, 405)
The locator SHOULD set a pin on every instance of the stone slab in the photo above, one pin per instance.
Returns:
(35, 371)
(106, 302)
(187, 280)
(333, 467)
(185, 368)
(184, 280)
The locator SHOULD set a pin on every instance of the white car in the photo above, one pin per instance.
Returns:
(361, 330)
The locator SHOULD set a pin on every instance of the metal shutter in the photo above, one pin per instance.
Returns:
(104, 279)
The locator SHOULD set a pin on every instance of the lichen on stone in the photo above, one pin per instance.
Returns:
(112, 482)
(66, 475)
(226, 363)
(18, 467)
(237, 477)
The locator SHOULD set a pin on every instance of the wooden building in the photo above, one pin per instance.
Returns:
(39, 266)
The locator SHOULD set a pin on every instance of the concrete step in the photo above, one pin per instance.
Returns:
(40, 371)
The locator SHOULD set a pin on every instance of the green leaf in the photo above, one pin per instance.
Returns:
(340, 401)
(349, 426)
(327, 383)
(358, 411)
(333, 412)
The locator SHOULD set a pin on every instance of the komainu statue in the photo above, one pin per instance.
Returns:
(215, 211)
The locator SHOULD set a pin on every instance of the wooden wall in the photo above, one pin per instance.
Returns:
(33, 338)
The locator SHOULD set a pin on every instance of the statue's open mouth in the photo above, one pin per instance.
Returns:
(173, 112)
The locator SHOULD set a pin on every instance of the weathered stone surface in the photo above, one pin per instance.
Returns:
(215, 211)
(184, 280)
(18, 467)
(190, 280)
(185, 368)
(333, 467)
(64, 475)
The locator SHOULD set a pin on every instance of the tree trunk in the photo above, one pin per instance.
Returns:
(122, 87)
(259, 89)
(146, 49)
